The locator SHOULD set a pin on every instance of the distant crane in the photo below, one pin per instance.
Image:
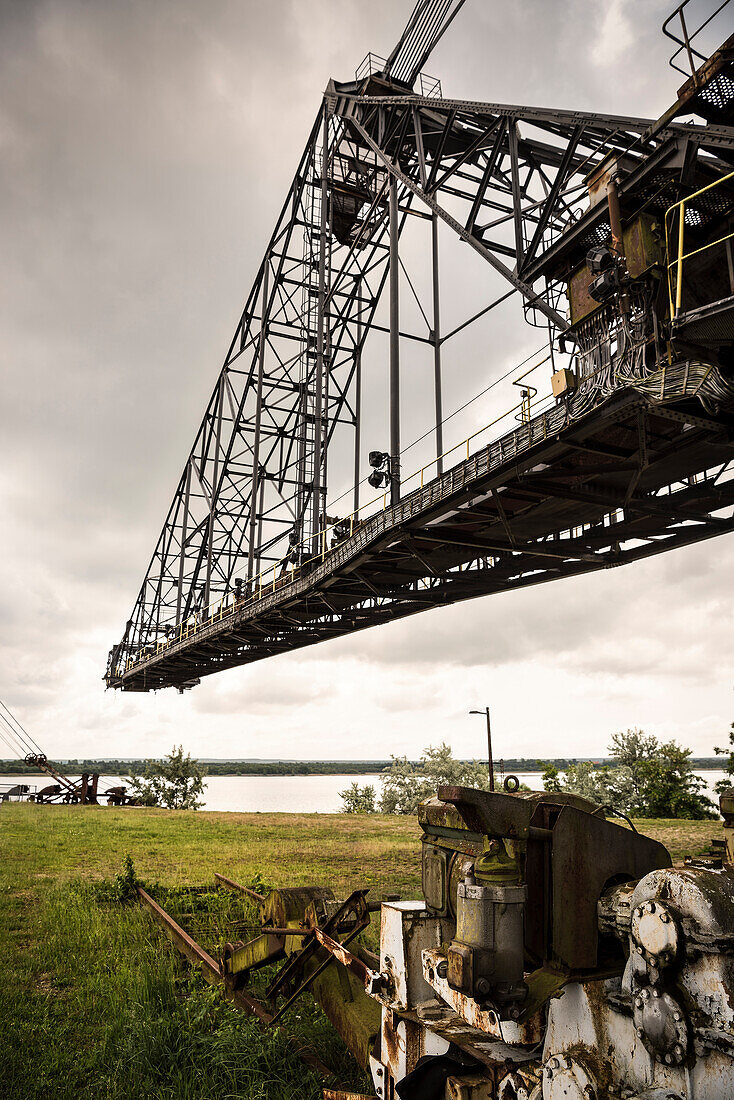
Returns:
(84, 790)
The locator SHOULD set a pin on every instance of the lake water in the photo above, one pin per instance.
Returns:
(292, 793)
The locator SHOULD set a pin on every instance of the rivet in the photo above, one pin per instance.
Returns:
(640, 1032)
(669, 1059)
(677, 1016)
(638, 1002)
(664, 917)
(656, 992)
(678, 1049)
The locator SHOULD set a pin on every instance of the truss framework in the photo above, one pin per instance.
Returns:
(508, 180)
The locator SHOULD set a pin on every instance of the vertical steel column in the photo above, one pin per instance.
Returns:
(212, 502)
(394, 348)
(258, 420)
(260, 511)
(357, 415)
(184, 535)
(318, 400)
(436, 337)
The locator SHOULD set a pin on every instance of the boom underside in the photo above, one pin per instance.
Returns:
(553, 499)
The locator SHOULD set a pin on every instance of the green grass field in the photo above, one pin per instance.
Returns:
(93, 998)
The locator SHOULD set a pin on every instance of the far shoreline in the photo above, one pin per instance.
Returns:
(276, 769)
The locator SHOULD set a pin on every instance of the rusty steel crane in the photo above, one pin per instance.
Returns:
(83, 791)
(612, 233)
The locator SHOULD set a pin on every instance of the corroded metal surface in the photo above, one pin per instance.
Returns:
(470, 1010)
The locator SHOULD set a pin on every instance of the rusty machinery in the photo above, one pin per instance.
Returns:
(555, 955)
(83, 791)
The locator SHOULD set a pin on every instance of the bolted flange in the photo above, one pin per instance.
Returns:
(654, 933)
(660, 1023)
(567, 1078)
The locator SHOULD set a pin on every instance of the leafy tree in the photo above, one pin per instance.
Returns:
(175, 782)
(725, 784)
(358, 800)
(650, 779)
(551, 778)
(663, 778)
(406, 785)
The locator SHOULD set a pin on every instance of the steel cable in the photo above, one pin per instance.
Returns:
(25, 735)
(14, 745)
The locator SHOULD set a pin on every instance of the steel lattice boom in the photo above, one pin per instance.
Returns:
(628, 218)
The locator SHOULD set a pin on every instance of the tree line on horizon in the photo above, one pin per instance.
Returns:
(315, 767)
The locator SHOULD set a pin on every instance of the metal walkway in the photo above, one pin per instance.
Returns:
(552, 499)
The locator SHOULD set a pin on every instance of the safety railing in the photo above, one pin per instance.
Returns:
(675, 300)
(685, 44)
(427, 86)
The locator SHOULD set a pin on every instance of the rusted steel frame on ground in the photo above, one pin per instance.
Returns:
(213, 974)
(222, 880)
(312, 977)
(266, 929)
(355, 904)
(371, 979)
(339, 1094)
(182, 939)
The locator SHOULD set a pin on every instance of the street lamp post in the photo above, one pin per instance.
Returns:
(489, 745)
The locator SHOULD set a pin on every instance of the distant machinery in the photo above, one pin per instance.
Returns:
(84, 791)
(616, 235)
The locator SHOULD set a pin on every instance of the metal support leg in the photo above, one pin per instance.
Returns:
(357, 417)
(394, 348)
(319, 520)
(258, 419)
(182, 553)
(436, 337)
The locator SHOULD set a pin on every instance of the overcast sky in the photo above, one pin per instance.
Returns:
(145, 148)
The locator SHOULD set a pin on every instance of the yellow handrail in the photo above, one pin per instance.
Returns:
(681, 255)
